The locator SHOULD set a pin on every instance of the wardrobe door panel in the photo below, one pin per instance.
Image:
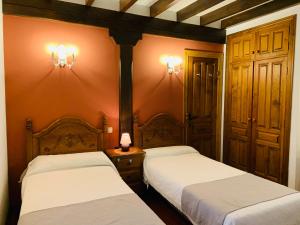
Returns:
(269, 97)
(236, 49)
(260, 159)
(242, 47)
(273, 165)
(273, 41)
(264, 43)
(239, 101)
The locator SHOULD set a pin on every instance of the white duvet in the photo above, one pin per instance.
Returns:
(66, 187)
(170, 171)
(61, 180)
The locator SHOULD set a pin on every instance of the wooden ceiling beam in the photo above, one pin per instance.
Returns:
(89, 2)
(195, 8)
(229, 10)
(160, 6)
(126, 4)
(112, 20)
(262, 10)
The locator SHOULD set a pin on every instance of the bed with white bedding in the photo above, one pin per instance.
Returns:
(206, 191)
(69, 181)
(179, 172)
(90, 193)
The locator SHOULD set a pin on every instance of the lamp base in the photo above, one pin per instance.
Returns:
(125, 149)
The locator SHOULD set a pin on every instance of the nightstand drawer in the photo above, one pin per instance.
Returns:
(125, 163)
(131, 176)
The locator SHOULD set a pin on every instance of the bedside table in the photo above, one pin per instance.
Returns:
(130, 166)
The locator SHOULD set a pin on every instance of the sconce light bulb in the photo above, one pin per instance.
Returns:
(61, 52)
(63, 56)
(173, 64)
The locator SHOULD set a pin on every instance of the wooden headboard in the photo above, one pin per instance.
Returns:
(65, 135)
(159, 131)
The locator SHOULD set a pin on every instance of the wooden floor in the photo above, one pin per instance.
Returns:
(169, 214)
(158, 204)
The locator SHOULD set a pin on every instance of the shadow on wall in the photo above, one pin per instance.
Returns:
(166, 82)
(298, 173)
(57, 86)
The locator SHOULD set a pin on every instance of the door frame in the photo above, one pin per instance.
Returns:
(220, 57)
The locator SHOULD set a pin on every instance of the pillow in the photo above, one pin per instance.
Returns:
(169, 151)
(47, 163)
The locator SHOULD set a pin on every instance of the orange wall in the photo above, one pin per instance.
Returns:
(37, 90)
(155, 91)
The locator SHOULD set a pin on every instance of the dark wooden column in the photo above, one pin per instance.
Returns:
(125, 113)
(127, 40)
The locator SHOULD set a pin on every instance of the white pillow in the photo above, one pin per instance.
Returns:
(47, 163)
(169, 151)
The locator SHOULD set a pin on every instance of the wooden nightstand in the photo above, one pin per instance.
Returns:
(129, 165)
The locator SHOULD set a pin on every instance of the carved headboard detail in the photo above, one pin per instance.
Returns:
(65, 135)
(159, 131)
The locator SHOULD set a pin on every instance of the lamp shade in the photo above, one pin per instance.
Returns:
(125, 140)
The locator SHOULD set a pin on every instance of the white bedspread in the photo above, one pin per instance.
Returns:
(71, 186)
(169, 174)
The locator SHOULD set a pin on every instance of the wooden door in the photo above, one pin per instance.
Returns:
(242, 47)
(238, 115)
(202, 104)
(273, 41)
(257, 107)
(269, 100)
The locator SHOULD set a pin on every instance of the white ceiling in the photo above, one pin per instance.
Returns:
(142, 7)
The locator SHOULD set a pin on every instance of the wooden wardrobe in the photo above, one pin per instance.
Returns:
(258, 99)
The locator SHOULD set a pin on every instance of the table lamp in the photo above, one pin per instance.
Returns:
(125, 142)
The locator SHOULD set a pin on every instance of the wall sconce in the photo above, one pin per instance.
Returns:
(125, 142)
(173, 63)
(62, 55)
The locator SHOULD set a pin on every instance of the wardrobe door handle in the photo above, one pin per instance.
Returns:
(253, 120)
(249, 119)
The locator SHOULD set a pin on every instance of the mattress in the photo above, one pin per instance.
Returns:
(89, 195)
(170, 174)
(71, 186)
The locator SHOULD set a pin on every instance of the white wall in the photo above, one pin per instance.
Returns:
(294, 159)
(3, 148)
